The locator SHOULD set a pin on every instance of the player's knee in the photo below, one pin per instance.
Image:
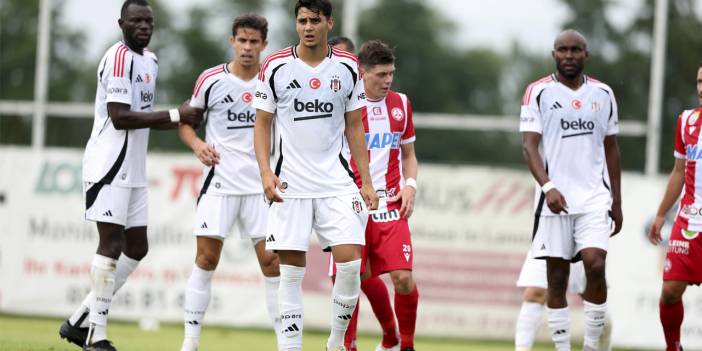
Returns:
(270, 267)
(207, 260)
(595, 270)
(110, 248)
(671, 294)
(535, 295)
(402, 280)
(136, 252)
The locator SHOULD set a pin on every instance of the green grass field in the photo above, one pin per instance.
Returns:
(41, 334)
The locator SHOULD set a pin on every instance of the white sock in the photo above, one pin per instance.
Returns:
(125, 267)
(197, 297)
(272, 285)
(102, 274)
(559, 324)
(605, 343)
(290, 305)
(528, 324)
(347, 286)
(594, 323)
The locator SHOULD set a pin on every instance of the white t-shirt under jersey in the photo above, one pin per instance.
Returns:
(229, 128)
(309, 105)
(112, 156)
(573, 126)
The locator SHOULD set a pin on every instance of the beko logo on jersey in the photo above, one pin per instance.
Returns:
(579, 126)
(147, 96)
(383, 140)
(324, 108)
(244, 117)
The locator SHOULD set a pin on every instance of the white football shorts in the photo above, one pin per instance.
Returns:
(217, 213)
(533, 274)
(337, 220)
(128, 207)
(565, 236)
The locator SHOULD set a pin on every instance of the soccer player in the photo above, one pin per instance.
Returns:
(342, 43)
(682, 264)
(390, 136)
(114, 168)
(569, 125)
(231, 190)
(533, 279)
(315, 95)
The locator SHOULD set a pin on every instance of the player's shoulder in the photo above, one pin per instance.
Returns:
(150, 54)
(686, 114)
(536, 87)
(208, 77)
(343, 56)
(397, 96)
(599, 84)
(277, 57)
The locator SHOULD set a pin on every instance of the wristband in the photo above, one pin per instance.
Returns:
(411, 182)
(547, 187)
(174, 114)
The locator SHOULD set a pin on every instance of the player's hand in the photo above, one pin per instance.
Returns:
(370, 197)
(206, 153)
(654, 231)
(271, 185)
(190, 115)
(406, 195)
(556, 202)
(617, 217)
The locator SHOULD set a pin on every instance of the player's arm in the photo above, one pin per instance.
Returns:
(614, 169)
(409, 171)
(359, 152)
(262, 147)
(676, 181)
(530, 149)
(123, 118)
(204, 152)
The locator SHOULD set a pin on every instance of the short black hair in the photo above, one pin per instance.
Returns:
(125, 6)
(251, 21)
(319, 6)
(343, 40)
(375, 52)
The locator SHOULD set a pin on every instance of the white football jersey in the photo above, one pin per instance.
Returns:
(112, 156)
(573, 126)
(309, 104)
(229, 128)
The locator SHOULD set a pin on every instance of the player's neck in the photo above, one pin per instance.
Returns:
(573, 84)
(242, 72)
(131, 46)
(312, 56)
(374, 98)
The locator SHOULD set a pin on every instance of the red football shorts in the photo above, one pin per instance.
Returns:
(684, 258)
(388, 243)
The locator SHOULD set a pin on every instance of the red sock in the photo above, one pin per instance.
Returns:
(350, 336)
(406, 310)
(378, 296)
(671, 318)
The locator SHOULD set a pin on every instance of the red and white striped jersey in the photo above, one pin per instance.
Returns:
(388, 125)
(688, 148)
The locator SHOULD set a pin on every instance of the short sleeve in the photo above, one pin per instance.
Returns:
(264, 98)
(197, 100)
(679, 152)
(409, 136)
(613, 124)
(116, 77)
(530, 119)
(357, 98)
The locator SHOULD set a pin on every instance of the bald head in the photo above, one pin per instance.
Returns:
(570, 36)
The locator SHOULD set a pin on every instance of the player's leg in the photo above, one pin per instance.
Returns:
(529, 319)
(340, 224)
(672, 312)
(213, 221)
(198, 289)
(289, 228)
(406, 302)
(377, 293)
(270, 267)
(591, 235)
(532, 278)
(557, 271)
(351, 331)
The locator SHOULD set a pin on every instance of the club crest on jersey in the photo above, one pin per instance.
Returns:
(377, 111)
(595, 106)
(577, 104)
(147, 77)
(693, 118)
(315, 83)
(335, 83)
(397, 114)
(247, 97)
